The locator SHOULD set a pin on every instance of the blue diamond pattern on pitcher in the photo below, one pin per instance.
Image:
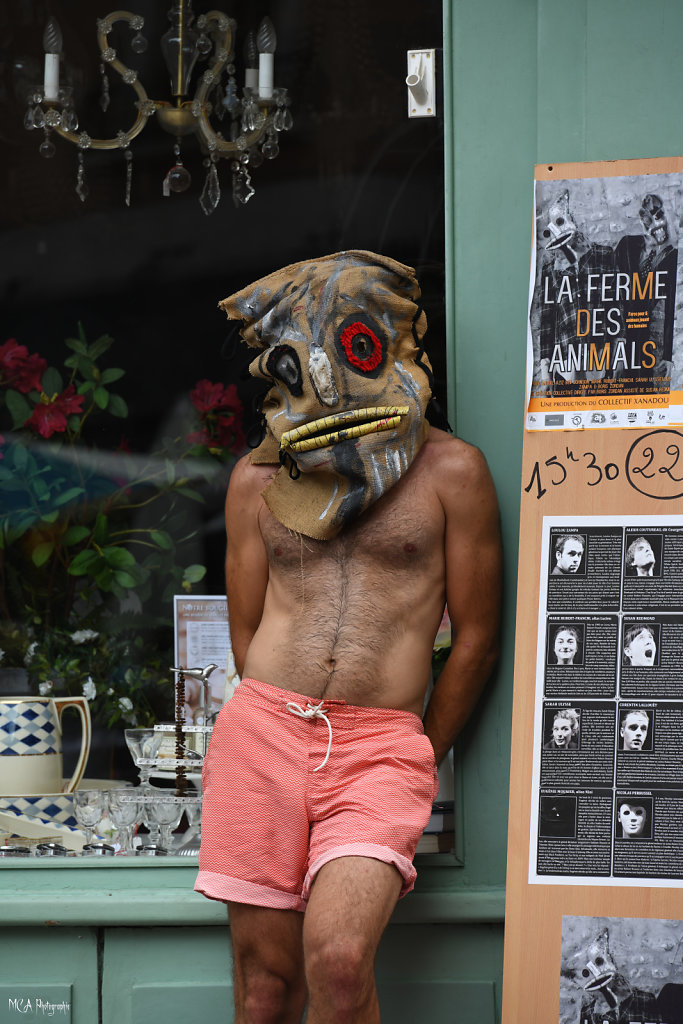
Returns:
(25, 730)
(46, 809)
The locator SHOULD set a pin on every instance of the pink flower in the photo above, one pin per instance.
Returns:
(49, 415)
(18, 369)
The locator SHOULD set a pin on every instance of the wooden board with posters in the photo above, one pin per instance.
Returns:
(594, 913)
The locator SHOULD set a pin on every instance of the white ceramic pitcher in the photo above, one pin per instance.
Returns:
(31, 745)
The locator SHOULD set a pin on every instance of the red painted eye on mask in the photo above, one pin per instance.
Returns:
(362, 347)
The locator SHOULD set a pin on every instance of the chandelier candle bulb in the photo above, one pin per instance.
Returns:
(251, 63)
(266, 41)
(52, 44)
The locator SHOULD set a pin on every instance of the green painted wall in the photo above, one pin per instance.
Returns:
(527, 82)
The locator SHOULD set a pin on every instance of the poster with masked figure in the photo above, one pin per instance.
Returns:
(605, 329)
(620, 970)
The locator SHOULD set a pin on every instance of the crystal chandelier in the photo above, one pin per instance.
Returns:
(241, 126)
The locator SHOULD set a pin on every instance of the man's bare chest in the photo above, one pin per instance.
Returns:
(401, 533)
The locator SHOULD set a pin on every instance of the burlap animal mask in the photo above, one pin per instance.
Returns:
(345, 413)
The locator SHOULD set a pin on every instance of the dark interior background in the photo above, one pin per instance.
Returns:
(354, 172)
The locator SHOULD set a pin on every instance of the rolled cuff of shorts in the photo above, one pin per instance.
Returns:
(227, 889)
(373, 850)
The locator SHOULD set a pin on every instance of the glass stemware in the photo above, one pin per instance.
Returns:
(124, 811)
(143, 744)
(162, 816)
(193, 836)
(90, 806)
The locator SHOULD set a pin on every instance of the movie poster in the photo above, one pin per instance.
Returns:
(607, 789)
(621, 970)
(605, 330)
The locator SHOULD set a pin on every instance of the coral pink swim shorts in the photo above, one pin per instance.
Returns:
(291, 782)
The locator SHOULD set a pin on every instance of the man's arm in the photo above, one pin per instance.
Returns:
(473, 580)
(246, 561)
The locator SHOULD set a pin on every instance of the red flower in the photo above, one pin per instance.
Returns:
(18, 369)
(198, 437)
(207, 397)
(230, 434)
(49, 416)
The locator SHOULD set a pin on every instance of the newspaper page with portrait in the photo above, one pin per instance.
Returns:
(605, 327)
(607, 789)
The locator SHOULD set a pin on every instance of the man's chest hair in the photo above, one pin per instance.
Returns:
(402, 530)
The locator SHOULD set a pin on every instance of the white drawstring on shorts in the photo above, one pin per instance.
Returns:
(314, 711)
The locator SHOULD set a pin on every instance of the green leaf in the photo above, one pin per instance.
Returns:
(18, 408)
(85, 367)
(86, 386)
(112, 374)
(100, 346)
(189, 493)
(52, 381)
(40, 489)
(117, 406)
(161, 539)
(194, 573)
(84, 562)
(101, 531)
(101, 396)
(75, 534)
(124, 579)
(118, 557)
(42, 552)
(51, 517)
(76, 345)
(67, 496)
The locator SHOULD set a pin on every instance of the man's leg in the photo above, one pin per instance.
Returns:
(350, 904)
(268, 954)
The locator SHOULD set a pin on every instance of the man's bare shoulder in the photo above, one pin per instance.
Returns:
(454, 462)
(248, 478)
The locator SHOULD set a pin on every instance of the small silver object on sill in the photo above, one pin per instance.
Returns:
(98, 850)
(51, 850)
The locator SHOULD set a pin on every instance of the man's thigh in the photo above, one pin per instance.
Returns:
(351, 901)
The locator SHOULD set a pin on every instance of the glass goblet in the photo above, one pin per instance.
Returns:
(90, 806)
(143, 744)
(163, 815)
(193, 836)
(124, 811)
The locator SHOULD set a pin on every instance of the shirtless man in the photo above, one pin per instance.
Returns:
(332, 629)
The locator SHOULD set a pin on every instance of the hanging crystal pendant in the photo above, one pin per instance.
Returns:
(29, 123)
(129, 173)
(104, 95)
(270, 148)
(82, 190)
(211, 193)
(178, 179)
(138, 43)
(242, 188)
(47, 146)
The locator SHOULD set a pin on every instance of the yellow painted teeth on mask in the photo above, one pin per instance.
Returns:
(377, 414)
(359, 430)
